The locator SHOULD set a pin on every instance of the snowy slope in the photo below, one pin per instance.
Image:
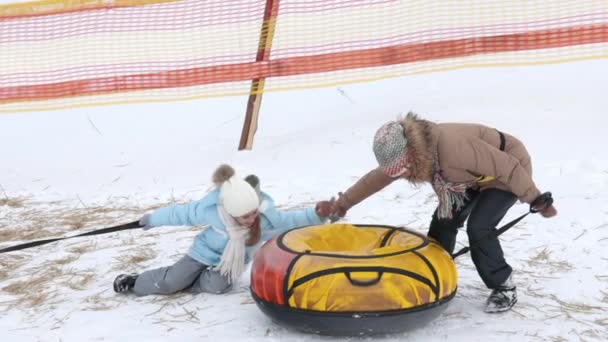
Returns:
(70, 171)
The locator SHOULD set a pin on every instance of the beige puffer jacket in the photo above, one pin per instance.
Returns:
(467, 154)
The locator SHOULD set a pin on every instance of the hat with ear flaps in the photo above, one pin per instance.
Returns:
(237, 195)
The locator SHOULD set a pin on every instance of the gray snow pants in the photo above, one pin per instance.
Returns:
(484, 211)
(186, 273)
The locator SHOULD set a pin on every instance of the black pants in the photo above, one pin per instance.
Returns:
(484, 211)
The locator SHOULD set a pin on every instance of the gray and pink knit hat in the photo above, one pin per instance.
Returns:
(390, 149)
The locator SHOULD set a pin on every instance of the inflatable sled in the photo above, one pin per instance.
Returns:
(342, 279)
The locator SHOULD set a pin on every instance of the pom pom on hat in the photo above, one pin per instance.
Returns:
(236, 195)
(222, 174)
(390, 148)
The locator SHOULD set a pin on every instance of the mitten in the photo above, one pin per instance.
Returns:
(324, 208)
(144, 222)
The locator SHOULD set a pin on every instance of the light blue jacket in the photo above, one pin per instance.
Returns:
(209, 244)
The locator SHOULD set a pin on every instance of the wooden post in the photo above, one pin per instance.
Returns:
(257, 85)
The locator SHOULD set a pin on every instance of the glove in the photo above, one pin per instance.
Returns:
(549, 211)
(324, 208)
(144, 222)
(543, 205)
(339, 207)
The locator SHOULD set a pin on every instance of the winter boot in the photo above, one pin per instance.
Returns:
(503, 297)
(125, 282)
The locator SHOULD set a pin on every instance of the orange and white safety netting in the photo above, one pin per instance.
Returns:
(68, 53)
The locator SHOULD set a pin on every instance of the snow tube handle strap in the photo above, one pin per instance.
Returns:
(541, 202)
(370, 282)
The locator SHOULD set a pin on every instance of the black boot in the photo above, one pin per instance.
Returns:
(125, 282)
(502, 298)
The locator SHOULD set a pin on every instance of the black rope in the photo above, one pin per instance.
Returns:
(495, 233)
(543, 201)
(130, 225)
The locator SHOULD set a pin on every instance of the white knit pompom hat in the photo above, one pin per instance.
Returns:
(236, 195)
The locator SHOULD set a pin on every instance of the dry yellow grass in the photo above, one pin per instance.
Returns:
(9, 263)
(14, 288)
(82, 248)
(135, 259)
(34, 290)
(101, 301)
(544, 259)
(39, 223)
(139, 258)
(31, 233)
(602, 321)
(98, 304)
(605, 296)
(80, 281)
(30, 220)
(12, 202)
(33, 299)
(573, 307)
(67, 259)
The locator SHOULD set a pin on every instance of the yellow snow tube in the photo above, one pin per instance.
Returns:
(343, 279)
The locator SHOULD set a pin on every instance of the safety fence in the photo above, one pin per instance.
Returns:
(66, 53)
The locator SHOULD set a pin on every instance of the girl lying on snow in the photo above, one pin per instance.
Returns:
(239, 216)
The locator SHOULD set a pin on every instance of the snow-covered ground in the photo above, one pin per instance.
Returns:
(65, 172)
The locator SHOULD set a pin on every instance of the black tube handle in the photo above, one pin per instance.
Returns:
(363, 282)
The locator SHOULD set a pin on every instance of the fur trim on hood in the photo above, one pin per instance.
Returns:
(420, 146)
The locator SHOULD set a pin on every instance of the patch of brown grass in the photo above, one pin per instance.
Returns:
(12, 202)
(14, 288)
(139, 258)
(74, 222)
(17, 234)
(128, 262)
(78, 218)
(40, 220)
(8, 263)
(175, 313)
(592, 333)
(67, 259)
(605, 297)
(34, 299)
(543, 255)
(571, 307)
(33, 291)
(97, 302)
(79, 282)
(34, 220)
(544, 259)
(98, 305)
(82, 248)
(602, 321)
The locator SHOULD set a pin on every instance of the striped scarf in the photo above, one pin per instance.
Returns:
(452, 197)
